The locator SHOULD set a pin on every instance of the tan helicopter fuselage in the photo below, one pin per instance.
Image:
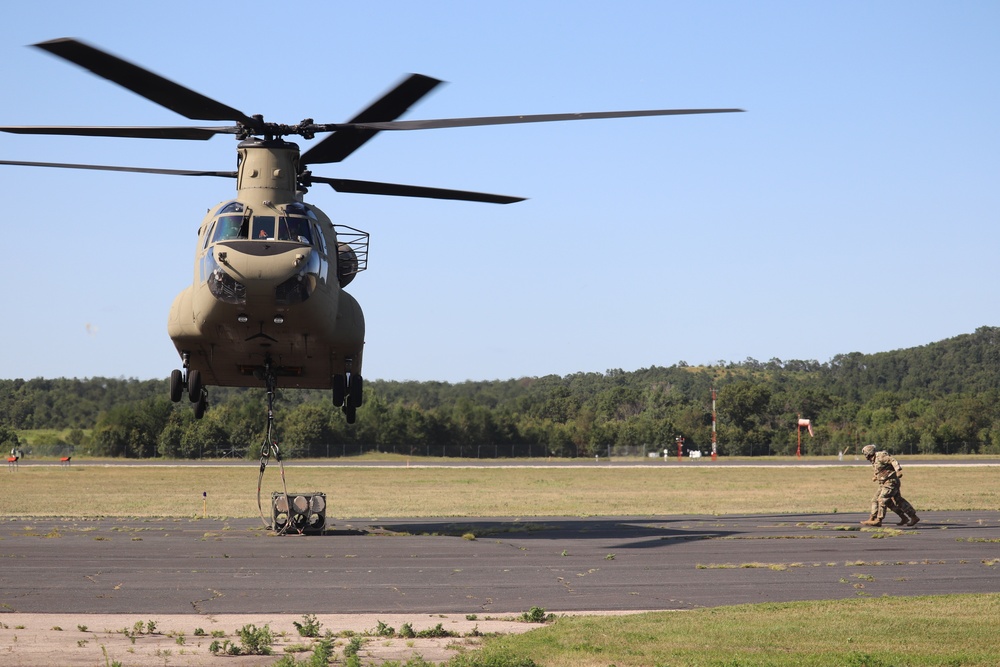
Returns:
(267, 289)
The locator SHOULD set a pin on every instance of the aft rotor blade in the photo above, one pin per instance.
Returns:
(152, 86)
(168, 132)
(140, 170)
(389, 107)
(375, 188)
(437, 123)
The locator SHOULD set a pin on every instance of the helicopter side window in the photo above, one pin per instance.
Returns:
(208, 236)
(263, 228)
(320, 239)
(229, 227)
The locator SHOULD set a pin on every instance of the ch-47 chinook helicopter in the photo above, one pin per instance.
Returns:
(268, 299)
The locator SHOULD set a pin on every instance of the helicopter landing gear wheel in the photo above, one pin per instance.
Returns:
(176, 385)
(354, 391)
(351, 413)
(201, 405)
(194, 385)
(190, 380)
(339, 389)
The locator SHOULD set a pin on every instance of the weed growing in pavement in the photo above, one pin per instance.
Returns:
(353, 647)
(309, 627)
(107, 661)
(321, 656)
(224, 647)
(536, 615)
(256, 641)
(437, 631)
(415, 661)
(977, 539)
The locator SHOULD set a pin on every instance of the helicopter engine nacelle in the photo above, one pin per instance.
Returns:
(347, 264)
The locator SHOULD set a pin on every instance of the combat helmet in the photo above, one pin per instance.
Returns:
(868, 451)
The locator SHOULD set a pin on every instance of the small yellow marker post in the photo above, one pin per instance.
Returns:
(204, 504)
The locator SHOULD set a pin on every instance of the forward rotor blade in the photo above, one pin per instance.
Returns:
(152, 86)
(538, 118)
(389, 107)
(375, 188)
(167, 132)
(140, 170)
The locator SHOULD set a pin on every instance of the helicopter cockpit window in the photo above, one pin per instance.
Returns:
(231, 207)
(230, 227)
(294, 229)
(263, 228)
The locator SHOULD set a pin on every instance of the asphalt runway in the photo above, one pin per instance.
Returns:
(199, 566)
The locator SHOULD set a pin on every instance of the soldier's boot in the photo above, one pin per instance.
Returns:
(872, 522)
(903, 519)
(913, 520)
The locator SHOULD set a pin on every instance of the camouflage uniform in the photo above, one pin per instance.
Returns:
(888, 473)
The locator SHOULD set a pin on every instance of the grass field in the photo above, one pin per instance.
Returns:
(603, 490)
(949, 631)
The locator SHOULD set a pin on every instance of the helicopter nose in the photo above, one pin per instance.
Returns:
(263, 263)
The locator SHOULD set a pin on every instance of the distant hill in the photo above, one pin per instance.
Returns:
(939, 397)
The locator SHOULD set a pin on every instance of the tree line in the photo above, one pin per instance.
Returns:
(937, 398)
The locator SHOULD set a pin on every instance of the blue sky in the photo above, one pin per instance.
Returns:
(852, 208)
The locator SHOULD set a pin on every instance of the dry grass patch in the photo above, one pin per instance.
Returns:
(126, 491)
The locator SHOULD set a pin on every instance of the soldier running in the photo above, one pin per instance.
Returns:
(887, 473)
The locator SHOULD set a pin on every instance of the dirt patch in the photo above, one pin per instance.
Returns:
(85, 640)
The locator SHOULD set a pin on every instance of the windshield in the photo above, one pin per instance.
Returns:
(294, 229)
(262, 228)
(230, 227)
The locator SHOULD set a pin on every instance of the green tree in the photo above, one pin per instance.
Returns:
(307, 430)
(131, 429)
(8, 438)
